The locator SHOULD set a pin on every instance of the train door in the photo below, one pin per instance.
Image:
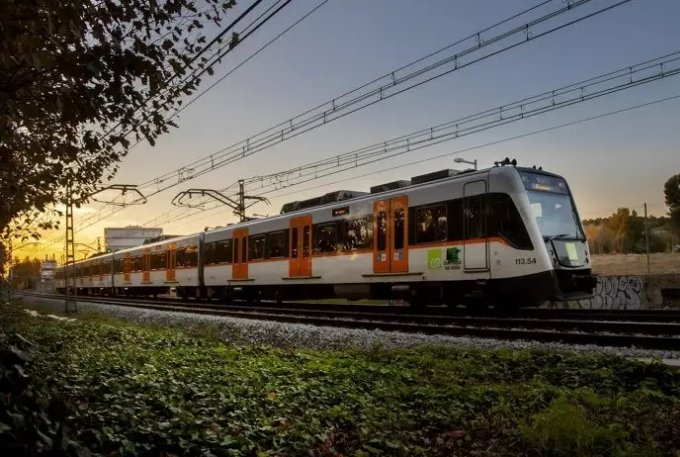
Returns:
(476, 246)
(100, 267)
(146, 266)
(90, 273)
(390, 235)
(300, 247)
(126, 267)
(170, 263)
(239, 268)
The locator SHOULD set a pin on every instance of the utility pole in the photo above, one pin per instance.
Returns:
(70, 304)
(241, 200)
(647, 241)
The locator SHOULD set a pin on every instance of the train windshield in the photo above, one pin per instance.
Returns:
(552, 207)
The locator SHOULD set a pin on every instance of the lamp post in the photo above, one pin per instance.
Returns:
(471, 162)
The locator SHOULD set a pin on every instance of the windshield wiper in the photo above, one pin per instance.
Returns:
(557, 237)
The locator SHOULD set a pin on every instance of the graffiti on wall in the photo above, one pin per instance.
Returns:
(616, 292)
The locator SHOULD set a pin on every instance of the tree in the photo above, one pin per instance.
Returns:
(76, 77)
(671, 190)
(26, 272)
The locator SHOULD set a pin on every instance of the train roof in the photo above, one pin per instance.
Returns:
(447, 178)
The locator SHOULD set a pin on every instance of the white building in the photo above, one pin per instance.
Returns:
(47, 268)
(116, 239)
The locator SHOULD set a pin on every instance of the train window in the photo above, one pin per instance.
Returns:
(244, 250)
(158, 260)
(431, 224)
(237, 258)
(181, 258)
(223, 251)
(399, 228)
(358, 234)
(325, 238)
(276, 245)
(382, 231)
(474, 217)
(190, 255)
(456, 220)
(256, 247)
(117, 266)
(505, 221)
(209, 253)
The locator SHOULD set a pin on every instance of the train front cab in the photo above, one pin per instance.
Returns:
(554, 215)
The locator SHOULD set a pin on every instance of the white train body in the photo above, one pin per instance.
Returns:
(503, 234)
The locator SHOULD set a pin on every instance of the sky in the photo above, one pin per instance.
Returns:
(621, 160)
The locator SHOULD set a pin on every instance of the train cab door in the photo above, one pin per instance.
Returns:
(300, 247)
(476, 246)
(390, 235)
(126, 267)
(146, 266)
(239, 268)
(170, 263)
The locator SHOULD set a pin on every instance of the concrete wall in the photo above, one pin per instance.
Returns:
(633, 292)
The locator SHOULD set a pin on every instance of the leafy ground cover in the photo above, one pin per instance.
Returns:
(139, 391)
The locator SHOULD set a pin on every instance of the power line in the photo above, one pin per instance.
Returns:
(469, 149)
(422, 71)
(216, 58)
(98, 216)
(582, 91)
(192, 60)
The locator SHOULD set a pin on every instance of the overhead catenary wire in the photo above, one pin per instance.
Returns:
(195, 57)
(589, 89)
(381, 89)
(98, 216)
(459, 151)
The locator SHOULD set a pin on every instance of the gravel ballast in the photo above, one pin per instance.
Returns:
(291, 335)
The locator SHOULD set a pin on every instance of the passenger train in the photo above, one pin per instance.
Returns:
(505, 235)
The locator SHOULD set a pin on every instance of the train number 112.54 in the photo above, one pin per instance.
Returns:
(525, 261)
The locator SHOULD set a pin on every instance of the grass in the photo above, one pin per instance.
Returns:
(636, 264)
(140, 391)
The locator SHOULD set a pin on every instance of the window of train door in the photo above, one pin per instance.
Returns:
(126, 268)
(399, 237)
(170, 263)
(390, 235)
(239, 268)
(476, 248)
(300, 247)
(146, 266)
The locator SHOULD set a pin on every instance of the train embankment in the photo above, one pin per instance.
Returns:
(625, 282)
(130, 389)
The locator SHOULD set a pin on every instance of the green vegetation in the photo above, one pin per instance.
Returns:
(623, 232)
(137, 391)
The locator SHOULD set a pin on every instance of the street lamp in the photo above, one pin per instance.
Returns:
(461, 160)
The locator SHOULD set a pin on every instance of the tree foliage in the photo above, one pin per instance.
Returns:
(26, 272)
(623, 232)
(671, 191)
(76, 77)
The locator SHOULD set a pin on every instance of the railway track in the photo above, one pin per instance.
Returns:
(650, 329)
